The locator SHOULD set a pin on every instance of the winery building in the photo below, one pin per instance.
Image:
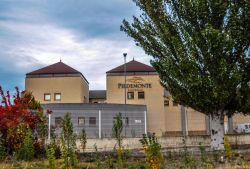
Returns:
(144, 104)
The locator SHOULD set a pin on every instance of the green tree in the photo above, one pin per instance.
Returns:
(117, 132)
(152, 149)
(3, 152)
(201, 52)
(83, 139)
(68, 143)
(50, 153)
(26, 152)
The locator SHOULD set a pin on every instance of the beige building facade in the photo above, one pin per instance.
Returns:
(59, 83)
(142, 90)
(164, 116)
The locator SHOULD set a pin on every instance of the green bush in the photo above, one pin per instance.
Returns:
(83, 139)
(97, 158)
(117, 132)
(68, 143)
(64, 155)
(228, 149)
(15, 138)
(152, 150)
(3, 152)
(109, 162)
(205, 162)
(39, 148)
(50, 153)
(189, 160)
(26, 151)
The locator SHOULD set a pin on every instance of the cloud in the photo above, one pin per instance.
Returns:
(96, 18)
(84, 35)
(46, 44)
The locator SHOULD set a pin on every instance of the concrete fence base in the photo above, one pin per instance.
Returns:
(170, 143)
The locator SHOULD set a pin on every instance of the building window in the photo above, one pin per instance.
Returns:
(81, 121)
(141, 95)
(166, 102)
(58, 122)
(175, 103)
(47, 97)
(92, 121)
(130, 95)
(57, 96)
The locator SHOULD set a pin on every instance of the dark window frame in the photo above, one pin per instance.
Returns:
(141, 93)
(44, 96)
(84, 123)
(55, 97)
(133, 94)
(90, 122)
(166, 103)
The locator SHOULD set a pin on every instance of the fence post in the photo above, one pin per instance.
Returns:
(184, 121)
(145, 116)
(100, 125)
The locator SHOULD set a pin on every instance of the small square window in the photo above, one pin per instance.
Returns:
(175, 103)
(57, 96)
(130, 95)
(92, 121)
(81, 121)
(58, 122)
(166, 102)
(246, 126)
(47, 97)
(141, 95)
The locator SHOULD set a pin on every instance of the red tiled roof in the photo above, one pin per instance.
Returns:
(133, 66)
(57, 68)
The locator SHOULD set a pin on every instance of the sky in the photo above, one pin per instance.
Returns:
(83, 34)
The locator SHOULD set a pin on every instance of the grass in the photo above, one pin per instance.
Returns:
(239, 161)
(41, 164)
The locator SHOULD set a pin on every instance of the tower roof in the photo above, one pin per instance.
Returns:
(133, 66)
(54, 69)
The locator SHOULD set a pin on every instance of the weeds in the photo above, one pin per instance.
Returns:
(152, 150)
(50, 153)
(228, 149)
(97, 158)
(83, 139)
(117, 132)
(205, 161)
(189, 160)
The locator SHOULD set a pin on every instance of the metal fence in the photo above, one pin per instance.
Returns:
(98, 119)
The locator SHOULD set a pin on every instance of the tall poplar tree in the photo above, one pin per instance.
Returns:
(200, 49)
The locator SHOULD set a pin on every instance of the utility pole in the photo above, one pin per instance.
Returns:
(49, 112)
(125, 90)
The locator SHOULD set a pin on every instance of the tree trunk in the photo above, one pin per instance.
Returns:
(217, 131)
